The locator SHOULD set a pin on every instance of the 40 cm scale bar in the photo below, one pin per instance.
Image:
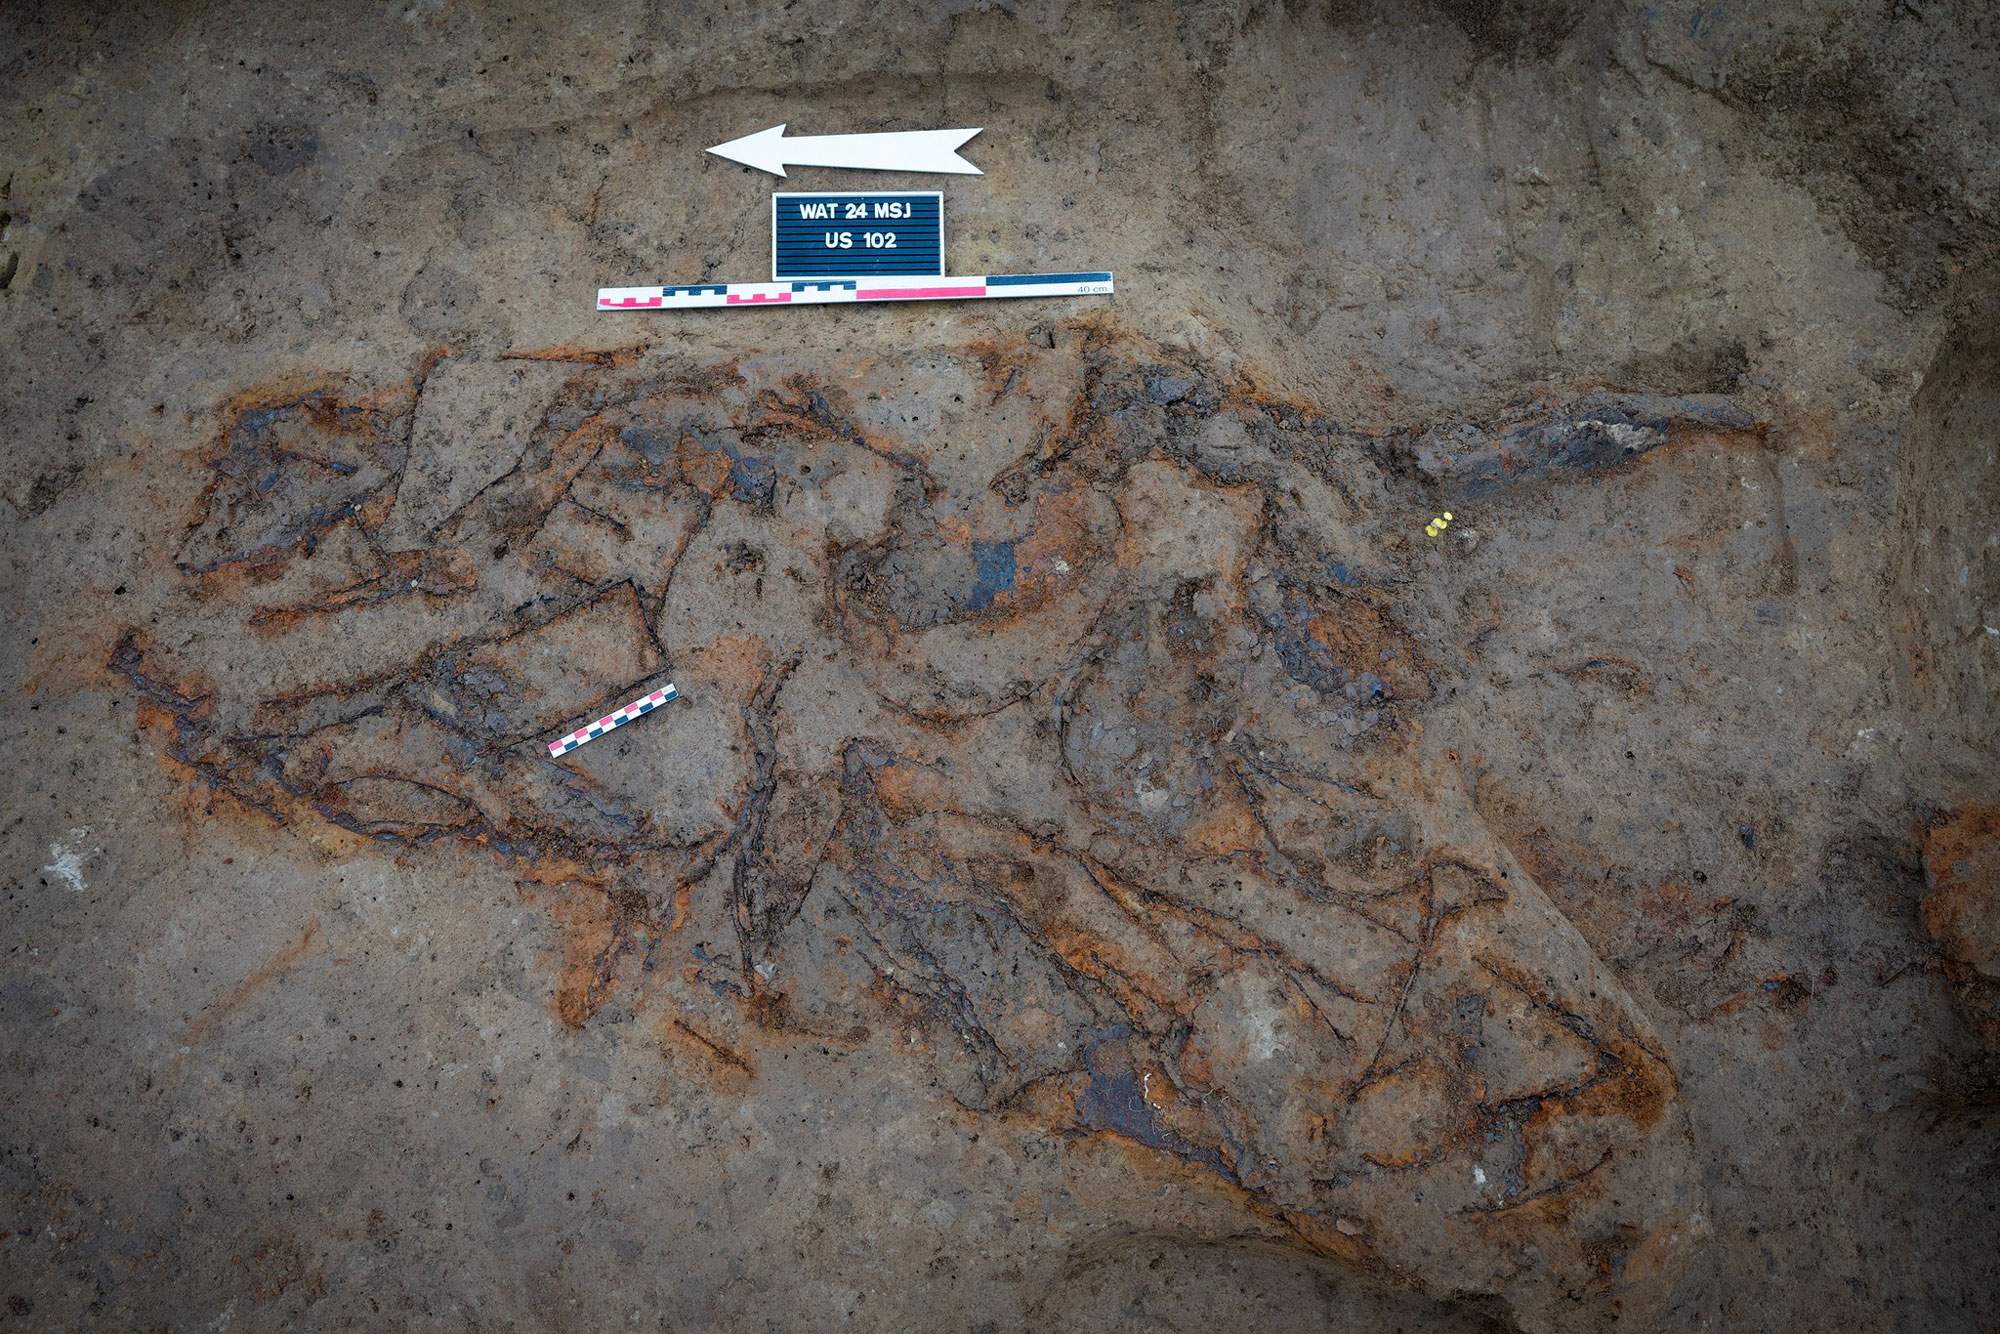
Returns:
(827, 291)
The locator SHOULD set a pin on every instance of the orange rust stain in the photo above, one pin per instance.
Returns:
(1052, 556)
(1728, 1005)
(1302, 1008)
(1641, 1093)
(200, 794)
(1675, 904)
(1158, 1090)
(706, 470)
(1549, 860)
(1321, 1235)
(1147, 909)
(725, 1067)
(598, 926)
(446, 572)
(373, 509)
(1197, 1072)
(1555, 1137)
(323, 397)
(1324, 1237)
(193, 686)
(803, 408)
(554, 870)
(1050, 1103)
(735, 664)
(895, 785)
(272, 621)
(1640, 1090)
(1105, 963)
(1129, 900)
(1232, 829)
(265, 973)
(68, 671)
(292, 387)
(1550, 1210)
(239, 579)
(1620, 673)
(792, 416)
(429, 362)
(1409, 1155)
(683, 900)
(609, 358)
(573, 452)
(276, 1266)
(1357, 634)
(999, 365)
(1247, 390)
(590, 958)
(1962, 871)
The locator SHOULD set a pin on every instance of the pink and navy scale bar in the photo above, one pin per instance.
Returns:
(615, 719)
(824, 291)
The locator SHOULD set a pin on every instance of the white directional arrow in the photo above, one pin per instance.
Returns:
(905, 150)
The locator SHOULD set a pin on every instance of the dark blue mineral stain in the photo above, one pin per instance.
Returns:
(993, 573)
(1115, 1100)
(1163, 387)
(1118, 1103)
(754, 477)
(1306, 660)
(1604, 431)
(651, 445)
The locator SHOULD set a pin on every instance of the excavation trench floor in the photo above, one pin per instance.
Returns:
(1120, 856)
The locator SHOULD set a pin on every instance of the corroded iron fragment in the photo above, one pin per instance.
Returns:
(1047, 704)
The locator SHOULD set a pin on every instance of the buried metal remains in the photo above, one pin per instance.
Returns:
(1113, 792)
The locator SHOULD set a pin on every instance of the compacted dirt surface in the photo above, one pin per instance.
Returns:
(1109, 866)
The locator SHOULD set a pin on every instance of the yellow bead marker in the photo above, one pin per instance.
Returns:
(1436, 526)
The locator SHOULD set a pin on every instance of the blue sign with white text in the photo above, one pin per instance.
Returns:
(857, 234)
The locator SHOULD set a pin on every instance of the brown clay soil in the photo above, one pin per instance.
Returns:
(1109, 866)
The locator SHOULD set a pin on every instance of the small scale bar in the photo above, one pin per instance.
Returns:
(823, 291)
(615, 719)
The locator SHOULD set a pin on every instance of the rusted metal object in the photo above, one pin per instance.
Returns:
(1047, 715)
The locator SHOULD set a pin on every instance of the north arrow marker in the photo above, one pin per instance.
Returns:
(904, 150)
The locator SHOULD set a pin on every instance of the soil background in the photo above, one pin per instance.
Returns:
(1108, 867)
